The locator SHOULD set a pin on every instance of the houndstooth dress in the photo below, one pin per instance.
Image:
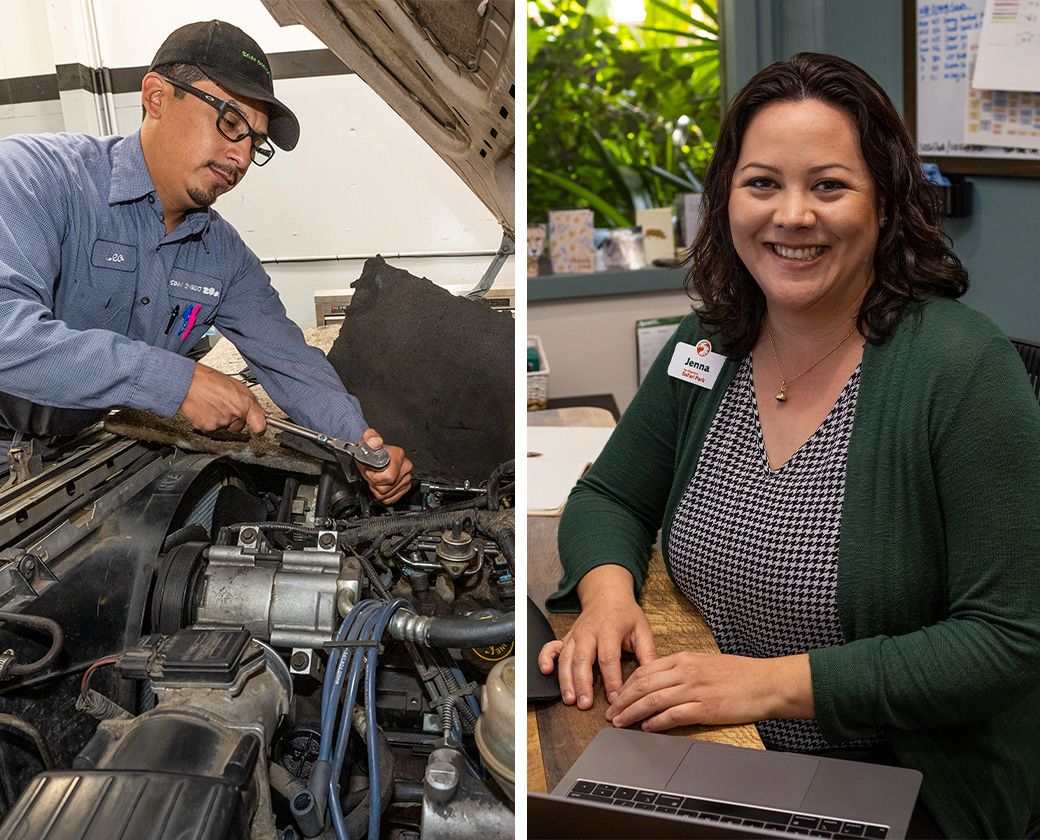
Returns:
(756, 549)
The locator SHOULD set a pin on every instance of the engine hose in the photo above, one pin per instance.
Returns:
(12, 668)
(301, 800)
(27, 729)
(494, 480)
(323, 496)
(399, 524)
(501, 527)
(489, 521)
(401, 543)
(408, 792)
(467, 633)
(370, 571)
(373, 578)
(306, 530)
(288, 494)
(357, 819)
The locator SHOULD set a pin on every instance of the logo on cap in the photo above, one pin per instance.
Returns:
(257, 60)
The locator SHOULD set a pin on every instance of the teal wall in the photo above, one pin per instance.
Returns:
(1000, 242)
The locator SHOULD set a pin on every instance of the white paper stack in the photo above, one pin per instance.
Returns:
(563, 455)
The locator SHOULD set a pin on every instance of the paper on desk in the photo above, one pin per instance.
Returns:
(566, 452)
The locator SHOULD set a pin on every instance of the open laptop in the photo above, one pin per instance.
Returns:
(638, 784)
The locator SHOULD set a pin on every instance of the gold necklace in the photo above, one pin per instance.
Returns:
(784, 382)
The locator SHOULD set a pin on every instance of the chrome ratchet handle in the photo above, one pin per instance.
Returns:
(360, 452)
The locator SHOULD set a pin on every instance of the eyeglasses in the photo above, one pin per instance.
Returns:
(231, 123)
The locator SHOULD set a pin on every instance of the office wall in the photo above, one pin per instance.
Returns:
(360, 182)
(590, 342)
(998, 242)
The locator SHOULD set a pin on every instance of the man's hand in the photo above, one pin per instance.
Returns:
(610, 621)
(216, 401)
(395, 479)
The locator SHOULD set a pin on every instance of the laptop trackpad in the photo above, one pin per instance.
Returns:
(754, 777)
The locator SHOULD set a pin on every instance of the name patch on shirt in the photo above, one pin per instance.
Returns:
(188, 286)
(106, 254)
(698, 363)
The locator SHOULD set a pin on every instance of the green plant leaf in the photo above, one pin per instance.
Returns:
(595, 202)
(641, 197)
(674, 180)
(712, 37)
(678, 13)
(630, 86)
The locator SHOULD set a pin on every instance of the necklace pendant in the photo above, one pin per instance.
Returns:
(780, 397)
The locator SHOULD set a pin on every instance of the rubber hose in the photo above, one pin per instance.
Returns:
(470, 633)
(288, 494)
(306, 530)
(324, 495)
(501, 527)
(399, 525)
(493, 482)
(357, 820)
(366, 563)
(506, 542)
(27, 729)
(38, 623)
(301, 801)
(490, 521)
(394, 547)
(408, 792)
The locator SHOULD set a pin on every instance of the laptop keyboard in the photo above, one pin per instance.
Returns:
(788, 822)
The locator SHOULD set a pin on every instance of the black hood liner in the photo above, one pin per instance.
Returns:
(433, 371)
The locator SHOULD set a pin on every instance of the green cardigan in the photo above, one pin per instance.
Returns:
(939, 557)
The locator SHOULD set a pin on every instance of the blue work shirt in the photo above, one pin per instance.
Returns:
(98, 303)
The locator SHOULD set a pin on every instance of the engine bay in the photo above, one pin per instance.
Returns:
(199, 647)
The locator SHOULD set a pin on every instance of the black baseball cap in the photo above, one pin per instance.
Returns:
(235, 61)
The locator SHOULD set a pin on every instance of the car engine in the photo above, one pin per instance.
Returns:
(195, 647)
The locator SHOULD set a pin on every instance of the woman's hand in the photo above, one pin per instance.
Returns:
(709, 688)
(610, 621)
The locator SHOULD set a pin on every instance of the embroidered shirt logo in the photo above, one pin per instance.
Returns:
(195, 287)
(113, 256)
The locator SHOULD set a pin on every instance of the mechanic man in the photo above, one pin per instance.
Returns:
(113, 264)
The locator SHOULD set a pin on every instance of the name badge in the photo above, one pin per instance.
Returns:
(115, 255)
(698, 363)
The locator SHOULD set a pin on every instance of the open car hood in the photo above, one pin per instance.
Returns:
(445, 66)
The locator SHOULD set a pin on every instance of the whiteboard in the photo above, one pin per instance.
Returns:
(940, 41)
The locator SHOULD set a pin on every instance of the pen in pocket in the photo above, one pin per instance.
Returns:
(189, 320)
(173, 317)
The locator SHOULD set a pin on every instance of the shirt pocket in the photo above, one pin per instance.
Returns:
(104, 298)
(194, 299)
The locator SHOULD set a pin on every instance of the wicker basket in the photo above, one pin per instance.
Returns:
(538, 380)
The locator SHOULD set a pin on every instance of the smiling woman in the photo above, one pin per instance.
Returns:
(803, 210)
(863, 545)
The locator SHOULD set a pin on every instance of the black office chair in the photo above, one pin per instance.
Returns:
(1030, 353)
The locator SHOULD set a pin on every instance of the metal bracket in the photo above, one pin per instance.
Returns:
(24, 462)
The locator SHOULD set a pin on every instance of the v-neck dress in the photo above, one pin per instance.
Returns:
(756, 549)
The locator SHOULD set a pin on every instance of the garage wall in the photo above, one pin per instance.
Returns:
(360, 182)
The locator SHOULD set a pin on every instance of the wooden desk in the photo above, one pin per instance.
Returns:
(677, 626)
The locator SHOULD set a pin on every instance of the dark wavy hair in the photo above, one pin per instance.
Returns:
(912, 261)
